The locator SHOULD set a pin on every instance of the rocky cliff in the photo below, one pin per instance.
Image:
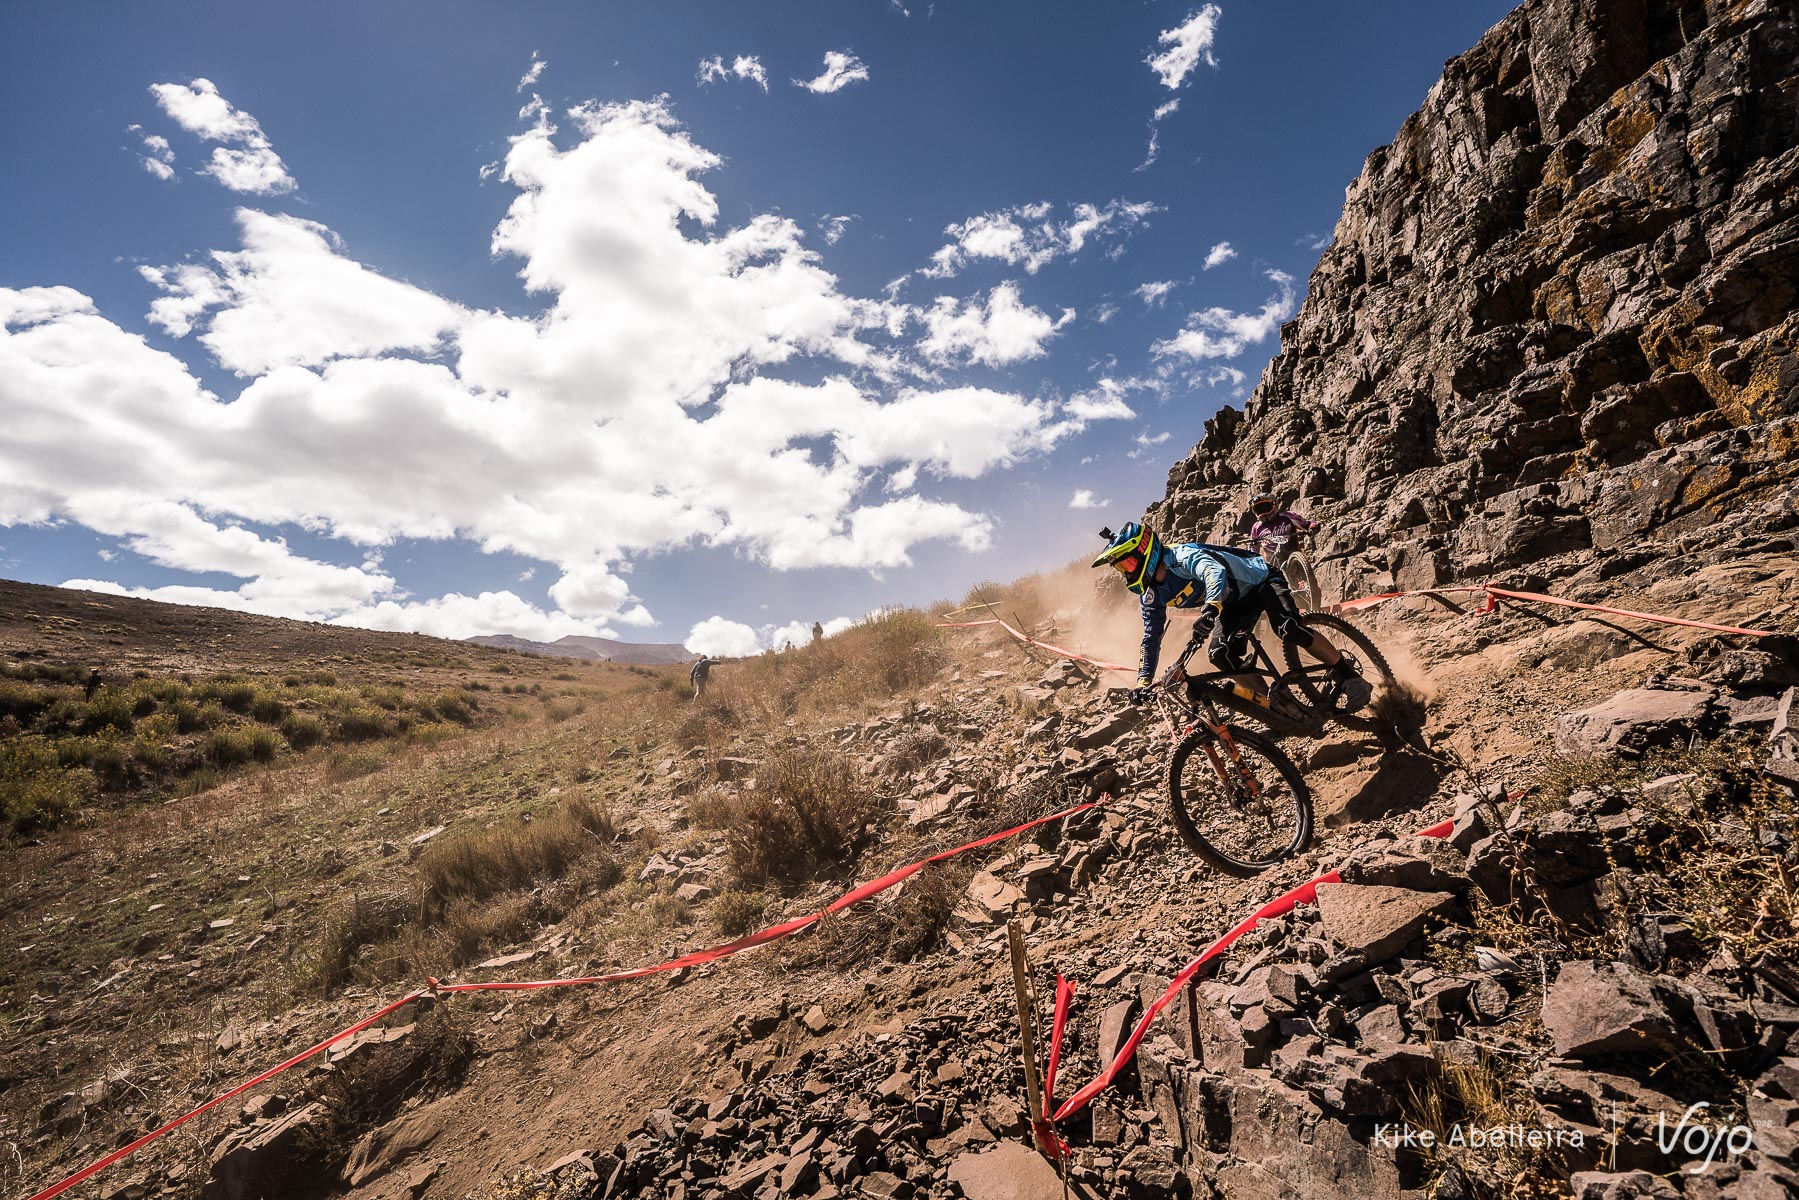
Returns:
(1557, 319)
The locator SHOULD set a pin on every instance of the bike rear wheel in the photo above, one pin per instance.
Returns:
(1315, 688)
(1237, 800)
(1303, 584)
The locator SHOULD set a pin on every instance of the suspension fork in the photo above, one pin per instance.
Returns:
(1222, 733)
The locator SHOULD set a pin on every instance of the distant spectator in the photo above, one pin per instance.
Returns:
(91, 684)
(698, 675)
(818, 631)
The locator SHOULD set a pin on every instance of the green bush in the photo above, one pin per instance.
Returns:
(268, 710)
(364, 724)
(35, 791)
(228, 747)
(302, 730)
(108, 710)
(230, 693)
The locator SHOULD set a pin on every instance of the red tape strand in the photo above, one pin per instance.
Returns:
(89, 1172)
(696, 958)
(1305, 893)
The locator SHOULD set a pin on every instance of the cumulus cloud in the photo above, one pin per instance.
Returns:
(1002, 329)
(290, 297)
(744, 66)
(1186, 46)
(1026, 235)
(641, 409)
(248, 162)
(532, 74)
(841, 69)
(1221, 333)
(1219, 255)
(1105, 401)
(1083, 498)
(1155, 293)
(157, 158)
(718, 637)
(834, 227)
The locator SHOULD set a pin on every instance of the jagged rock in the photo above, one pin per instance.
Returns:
(1107, 729)
(1625, 1185)
(1602, 1008)
(250, 1160)
(1377, 922)
(1548, 320)
(993, 898)
(1420, 864)
(1633, 721)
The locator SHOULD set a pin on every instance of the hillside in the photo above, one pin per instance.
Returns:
(592, 649)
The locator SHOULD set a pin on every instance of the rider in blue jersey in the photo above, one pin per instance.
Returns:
(1230, 588)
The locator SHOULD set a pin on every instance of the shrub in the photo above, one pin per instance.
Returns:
(264, 744)
(195, 782)
(268, 710)
(35, 791)
(302, 730)
(192, 718)
(561, 708)
(232, 694)
(485, 862)
(808, 812)
(356, 923)
(457, 706)
(740, 913)
(363, 724)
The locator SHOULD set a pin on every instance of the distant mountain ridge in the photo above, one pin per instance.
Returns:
(591, 649)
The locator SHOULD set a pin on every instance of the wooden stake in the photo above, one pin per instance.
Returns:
(1027, 1023)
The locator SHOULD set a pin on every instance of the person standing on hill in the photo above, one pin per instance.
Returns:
(701, 669)
(818, 630)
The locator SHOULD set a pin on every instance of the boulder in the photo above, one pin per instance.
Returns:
(1596, 1008)
(1008, 1171)
(1634, 721)
(1107, 729)
(1377, 921)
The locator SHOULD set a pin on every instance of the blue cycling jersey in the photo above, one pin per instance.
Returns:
(1196, 575)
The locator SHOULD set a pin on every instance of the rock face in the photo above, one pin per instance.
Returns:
(1557, 315)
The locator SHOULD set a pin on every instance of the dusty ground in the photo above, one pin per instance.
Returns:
(109, 971)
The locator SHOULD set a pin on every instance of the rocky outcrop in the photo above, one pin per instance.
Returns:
(1557, 316)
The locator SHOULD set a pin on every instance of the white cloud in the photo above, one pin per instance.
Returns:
(289, 298)
(722, 638)
(744, 66)
(158, 158)
(841, 69)
(1185, 47)
(1146, 439)
(834, 227)
(799, 632)
(1002, 330)
(1024, 236)
(1313, 241)
(532, 74)
(1221, 333)
(639, 410)
(1219, 255)
(1155, 293)
(1104, 311)
(1165, 110)
(248, 163)
(1083, 498)
(1105, 402)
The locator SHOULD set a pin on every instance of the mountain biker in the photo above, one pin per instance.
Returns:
(1230, 588)
(1274, 522)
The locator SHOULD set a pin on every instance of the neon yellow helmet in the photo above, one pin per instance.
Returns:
(1133, 552)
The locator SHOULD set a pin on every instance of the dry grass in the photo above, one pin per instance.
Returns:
(516, 854)
(904, 925)
(808, 813)
(1482, 1092)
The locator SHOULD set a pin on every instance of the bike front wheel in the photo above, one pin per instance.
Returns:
(1237, 800)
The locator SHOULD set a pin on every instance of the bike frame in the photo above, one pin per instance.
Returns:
(1213, 690)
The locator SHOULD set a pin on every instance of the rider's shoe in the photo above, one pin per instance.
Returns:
(1354, 691)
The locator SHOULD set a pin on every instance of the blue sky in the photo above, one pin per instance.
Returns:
(731, 316)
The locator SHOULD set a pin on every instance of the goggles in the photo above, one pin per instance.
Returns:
(1263, 508)
(1129, 565)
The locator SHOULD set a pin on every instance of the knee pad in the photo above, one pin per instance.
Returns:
(1227, 654)
(1293, 631)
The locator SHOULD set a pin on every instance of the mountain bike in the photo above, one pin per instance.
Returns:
(1237, 800)
(1279, 552)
